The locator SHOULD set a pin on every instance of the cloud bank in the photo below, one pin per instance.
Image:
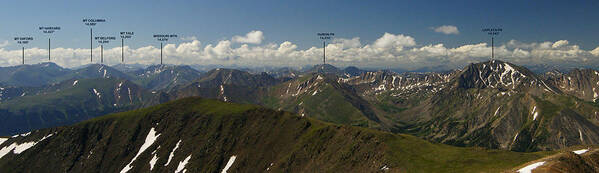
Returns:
(388, 51)
(253, 37)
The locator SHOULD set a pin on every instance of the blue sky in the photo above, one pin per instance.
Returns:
(298, 21)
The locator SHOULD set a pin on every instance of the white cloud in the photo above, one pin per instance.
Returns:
(4, 43)
(446, 29)
(390, 50)
(253, 37)
(348, 43)
(595, 51)
(189, 38)
(399, 41)
(560, 43)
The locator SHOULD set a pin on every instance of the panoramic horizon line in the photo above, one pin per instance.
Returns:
(306, 67)
(396, 50)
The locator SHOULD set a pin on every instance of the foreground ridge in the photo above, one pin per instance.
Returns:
(207, 135)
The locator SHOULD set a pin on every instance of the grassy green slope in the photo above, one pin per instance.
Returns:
(212, 131)
(320, 99)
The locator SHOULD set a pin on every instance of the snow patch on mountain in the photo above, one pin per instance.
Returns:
(229, 164)
(19, 148)
(150, 139)
(547, 87)
(97, 93)
(580, 136)
(130, 97)
(154, 159)
(319, 78)
(529, 168)
(181, 166)
(496, 111)
(595, 95)
(222, 92)
(535, 114)
(22, 135)
(380, 88)
(582, 151)
(2, 140)
(118, 90)
(288, 86)
(170, 157)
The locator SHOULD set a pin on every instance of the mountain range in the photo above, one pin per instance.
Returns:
(493, 104)
(493, 116)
